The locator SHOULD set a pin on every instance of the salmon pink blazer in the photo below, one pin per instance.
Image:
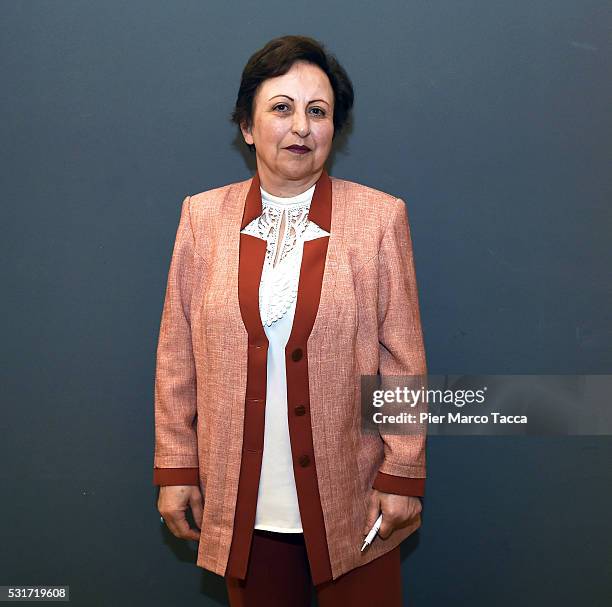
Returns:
(357, 313)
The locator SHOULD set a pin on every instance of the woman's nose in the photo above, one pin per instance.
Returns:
(301, 126)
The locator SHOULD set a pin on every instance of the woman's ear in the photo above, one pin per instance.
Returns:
(246, 132)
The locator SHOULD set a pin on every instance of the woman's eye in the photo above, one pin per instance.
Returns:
(318, 111)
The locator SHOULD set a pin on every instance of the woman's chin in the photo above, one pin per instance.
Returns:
(296, 171)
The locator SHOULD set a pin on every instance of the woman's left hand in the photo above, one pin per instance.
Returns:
(397, 511)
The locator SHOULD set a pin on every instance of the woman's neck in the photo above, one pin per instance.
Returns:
(286, 188)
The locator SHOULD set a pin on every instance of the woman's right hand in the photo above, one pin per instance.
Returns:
(173, 502)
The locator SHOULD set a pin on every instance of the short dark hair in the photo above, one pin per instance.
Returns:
(275, 59)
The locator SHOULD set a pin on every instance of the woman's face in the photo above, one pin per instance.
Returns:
(296, 109)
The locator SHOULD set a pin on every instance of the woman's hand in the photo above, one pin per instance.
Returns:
(397, 511)
(173, 502)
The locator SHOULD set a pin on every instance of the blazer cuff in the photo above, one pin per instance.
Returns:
(176, 476)
(399, 485)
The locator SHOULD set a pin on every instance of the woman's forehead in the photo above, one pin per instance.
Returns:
(312, 84)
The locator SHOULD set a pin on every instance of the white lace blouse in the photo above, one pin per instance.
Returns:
(284, 224)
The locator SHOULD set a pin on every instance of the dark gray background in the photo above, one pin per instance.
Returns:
(490, 119)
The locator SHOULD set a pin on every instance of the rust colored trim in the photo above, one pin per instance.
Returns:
(252, 254)
(399, 485)
(300, 427)
(176, 476)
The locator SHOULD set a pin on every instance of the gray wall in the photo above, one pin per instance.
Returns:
(491, 119)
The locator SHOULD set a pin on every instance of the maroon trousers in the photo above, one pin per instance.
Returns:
(278, 575)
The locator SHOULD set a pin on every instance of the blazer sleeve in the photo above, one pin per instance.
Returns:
(176, 449)
(401, 351)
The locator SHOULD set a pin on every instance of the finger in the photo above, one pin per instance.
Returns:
(179, 527)
(413, 510)
(386, 528)
(171, 519)
(389, 519)
(197, 509)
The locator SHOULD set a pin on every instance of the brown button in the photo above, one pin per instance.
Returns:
(297, 354)
(300, 410)
(304, 461)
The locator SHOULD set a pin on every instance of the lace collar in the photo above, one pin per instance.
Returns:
(284, 225)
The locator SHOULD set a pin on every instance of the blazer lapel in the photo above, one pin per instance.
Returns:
(312, 272)
(251, 259)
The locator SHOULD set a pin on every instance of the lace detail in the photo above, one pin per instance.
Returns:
(285, 227)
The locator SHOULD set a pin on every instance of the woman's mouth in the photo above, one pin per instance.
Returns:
(298, 149)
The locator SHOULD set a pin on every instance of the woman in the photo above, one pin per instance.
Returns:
(283, 290)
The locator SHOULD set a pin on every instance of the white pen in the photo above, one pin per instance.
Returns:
(373, 532)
